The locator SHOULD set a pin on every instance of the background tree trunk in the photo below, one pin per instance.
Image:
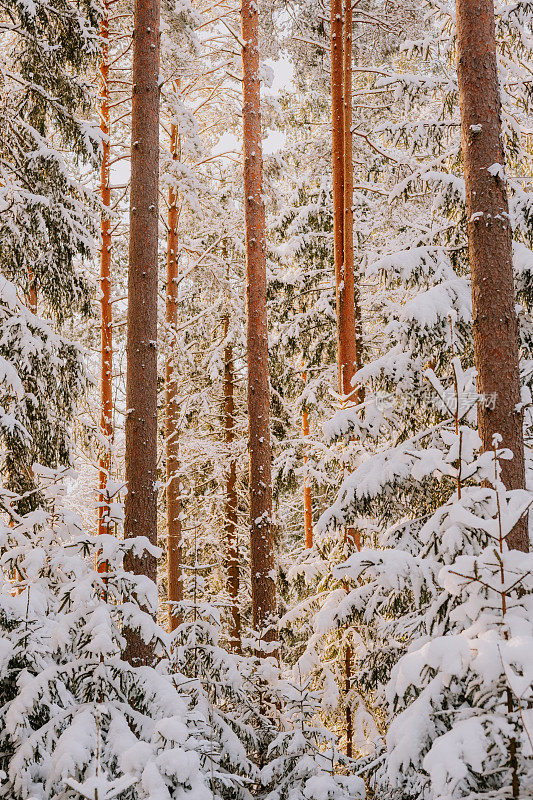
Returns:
(490, 242)
(348, 352)
(106, 319)
(337, 143)
(173, 482)
(233, 581)
(262, 543)
(141, 379)
(308, 504)
(31, 297)
(347, 326)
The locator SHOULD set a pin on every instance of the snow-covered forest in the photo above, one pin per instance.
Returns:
(266, 417)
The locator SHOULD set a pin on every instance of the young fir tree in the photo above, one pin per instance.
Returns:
(443, 611)
(303, 758)
(216, 682)
(77, 720)
(46, 224)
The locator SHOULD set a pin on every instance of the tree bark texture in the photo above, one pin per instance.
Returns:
(31, 297)
(232, 542)
(308, 504)
(173, 482)
(337, 143)
(106, 319)
(141, 378)
(349, 353)
(490, 243)
(262, 544)
(351, 299)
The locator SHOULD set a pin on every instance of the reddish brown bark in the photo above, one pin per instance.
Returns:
(348, 313)
(351, 309)
(308, 504)
(173, 483)
(141, 378)
(233, 581)
(32, 292)
(347, 326)
(490, 242)
(264, 607)
(337, 143)
(341, 116)
(106, 320)
(346, 292)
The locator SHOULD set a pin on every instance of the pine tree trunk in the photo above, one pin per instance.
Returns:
(233, 581)
(106, 320)
(348, 355)
(173, 482)
(308, 504)
(490, 243)
(352, 292)
(141, 378)
(347, 326)
(337, 143)
(261, 535)
(348, 352)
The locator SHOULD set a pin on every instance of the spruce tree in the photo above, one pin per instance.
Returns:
(46, 226)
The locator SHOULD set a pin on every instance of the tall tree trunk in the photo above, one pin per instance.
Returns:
(261, 535)
(141, 378)
(348, 354)
(232, 542)
(346, 292)
(308, 505)
(490, 243)
(173, 482)
(106, 320)
(337, 144)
